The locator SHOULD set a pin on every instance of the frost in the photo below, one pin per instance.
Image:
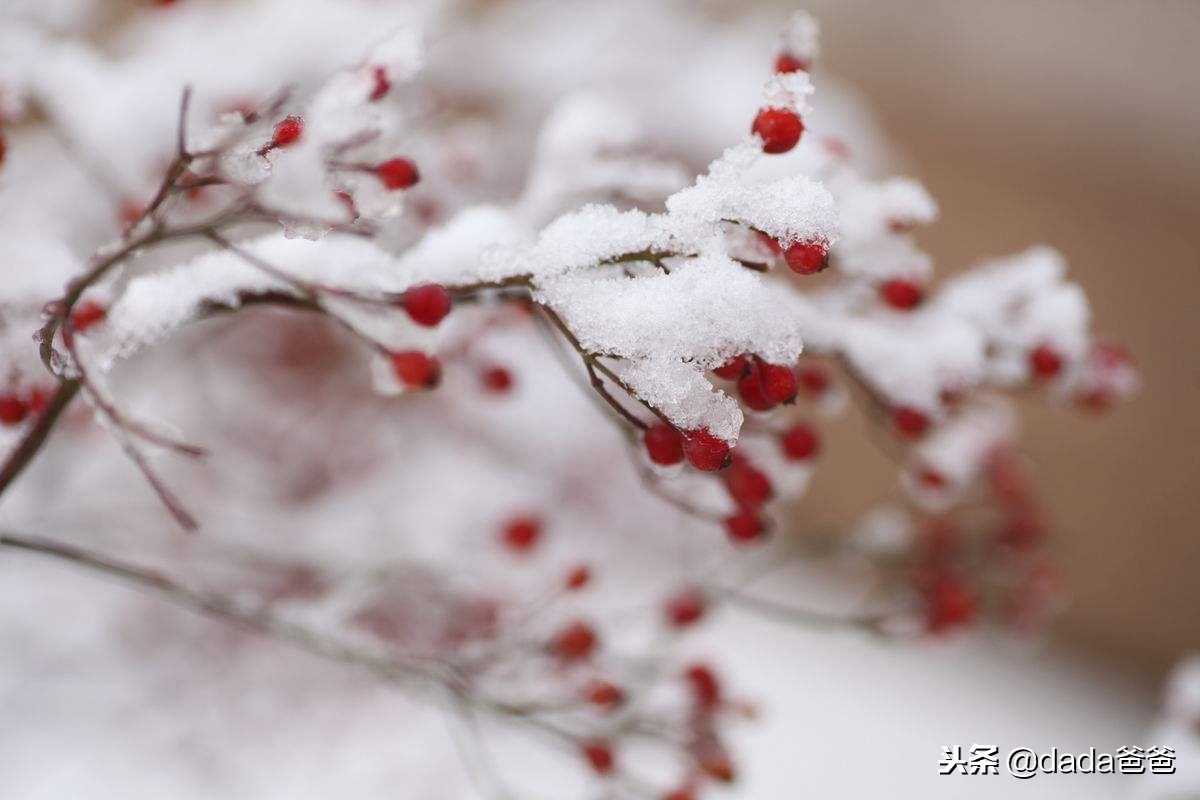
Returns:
(789, 90)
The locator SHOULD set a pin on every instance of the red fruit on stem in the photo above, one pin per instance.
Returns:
(427, 304)
(746, 484)
(779, 383)
(813, 378)
(753, 390)
(381, 85)
(497, 380)
(909, 423)
(706, 689)
(397, 173)
(579, 577)
(1045, 361)
(744, 526)
(599, 756)
(664, 445)
(779, 129)
(684, 608)
(604, 694)
(704, 451)
(901, 294)
(800, 442)
(574, 642)
(37, 399)
(950, 603)
(13, 409)
(786, 62)
(521, 534)
(807, 258)
(86, 314)
(732, 369)
(287, 131)
(415, 369)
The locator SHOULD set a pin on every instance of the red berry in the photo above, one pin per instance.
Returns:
(705, 451)
(574, 642)
(786, 62)
(599, 756)
(684, 608)
(770, 242)
(746, 484)
(679, 794)
(427, 304)
(716, 764)
(800, 442)
(901, 294)
(3, 147)
(579, 577)
(496, 379)
(949, 603)
(807, 258)
(930, 478)
(37, 399)
(86, 314)
(706, 689)
(13, 409)
(779, 129)
(397, 173)
(909, 423)
(1096, 400)
(753, 390)
(287, 131)
(732, 369)
(779, 383)
(604, 694)
(1044, 361)
(663, 444)
(744, 526)
(415, 369)
(381, 84)
(813, 378)
(521, 534)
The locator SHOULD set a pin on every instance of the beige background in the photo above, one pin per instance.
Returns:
(1076, 124)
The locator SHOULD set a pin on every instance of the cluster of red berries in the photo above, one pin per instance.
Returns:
(761, 385)
(427, 305)
(667, 446)
(17, 405)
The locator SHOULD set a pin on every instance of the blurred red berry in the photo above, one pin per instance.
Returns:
(13, 409)
(87, 314)
(497, 380)
(800, 442)
(397, 173)
(901, 294)
(415, 369)
(786, 62)
(706, 689)
(747, 485)
(813, 378)
(599, 756)
(381, 85)
(1045, 361)
(744, 526)
(574, 642)
(909, 423)
(521, 534)
(604, 694)
(427, 304)
(684, 608)
(578, 577)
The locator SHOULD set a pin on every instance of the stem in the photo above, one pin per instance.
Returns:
(36, 436)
